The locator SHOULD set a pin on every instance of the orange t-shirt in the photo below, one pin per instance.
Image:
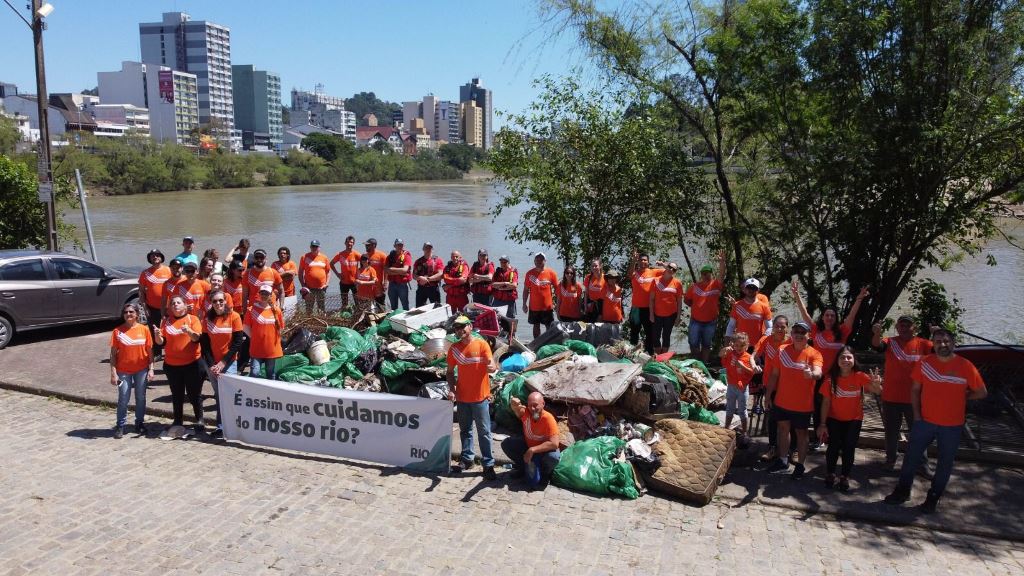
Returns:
(944, 388)
(569, 300)
(265, 324)
(847, 402)
(134, 348)
(751, 318)
(667, 297)
(733, 374)
(473, 361)
(153, 281)
(220, 330)
(179, 349)
(234, 290)
(377, 259)
(539, 285)
(170, 290)
(194, 294)
(314, 270)
(794, 391)
(703, 299)
(767, 349)
(594, 287)
(349, 265)
(900, 359)
(642, 284)
(539, 432)
(254, 277)
(366, 291)
(611, 309)
(825, 342)
(289, 283)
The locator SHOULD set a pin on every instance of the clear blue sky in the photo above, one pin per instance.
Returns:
(401, 50)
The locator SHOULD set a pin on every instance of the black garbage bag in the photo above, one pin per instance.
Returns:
(368, 360)
(435, 390)
(664, 396)
(556, 334)
(646, 460)
(299, 342)
(417, 357)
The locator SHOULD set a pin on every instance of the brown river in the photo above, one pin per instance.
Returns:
(453, 216)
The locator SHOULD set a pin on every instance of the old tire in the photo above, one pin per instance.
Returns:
(6, 331)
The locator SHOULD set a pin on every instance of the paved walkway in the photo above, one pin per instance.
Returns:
(75, 501)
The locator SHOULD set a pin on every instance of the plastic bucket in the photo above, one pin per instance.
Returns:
(318, 353)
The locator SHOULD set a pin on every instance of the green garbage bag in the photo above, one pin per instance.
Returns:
(503, 402)
(311, 374)
(370, 332)
(550, 350)
(417, 338)
(697, 414)
(590, 466)
(580, 347)
(691, 363)
(394, 368)
(349, 343)
(661, 369)
(290, 362)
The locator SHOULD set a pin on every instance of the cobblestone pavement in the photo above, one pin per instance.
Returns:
(75, 501)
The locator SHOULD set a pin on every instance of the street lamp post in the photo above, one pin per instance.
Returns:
(45, 174)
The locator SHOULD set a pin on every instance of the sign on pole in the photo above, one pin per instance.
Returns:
(45, 192)
(413, 433)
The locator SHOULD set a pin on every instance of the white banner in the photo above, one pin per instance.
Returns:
(414, 433)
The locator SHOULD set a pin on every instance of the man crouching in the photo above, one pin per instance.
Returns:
(536, 454)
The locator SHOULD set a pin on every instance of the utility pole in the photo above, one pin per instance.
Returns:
(45, 175)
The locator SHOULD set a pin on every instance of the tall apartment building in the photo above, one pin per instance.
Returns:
(202, 48)
(471, 120)
(428, 111)
(446, 122)
(325, 111)
(171, 96)
(475, 92)
(257, 100)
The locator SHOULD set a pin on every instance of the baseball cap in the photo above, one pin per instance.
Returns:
(756, 284)
(314, 242)
(540, 255)
(461, 320)
(906, 318)
(190, 264)
(155, 252)
(613, 273)
(176, 262)
(399, 241)
(259, 252)
(482, 252)
(188, 239)
(706, 268)
(801, 325)
(503, 258)
(265, 287)
(428, 243)
(672, 266)
(371, 241)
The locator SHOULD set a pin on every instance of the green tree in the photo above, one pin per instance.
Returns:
(460, 156)
(593, 181)
(365, 103)
(327, 146)
(9, 135)
(19, 196)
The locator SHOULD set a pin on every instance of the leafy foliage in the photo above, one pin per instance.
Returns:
(9, 135)
(461, 156)
(365, 103)
(19, 196)
(933, 308)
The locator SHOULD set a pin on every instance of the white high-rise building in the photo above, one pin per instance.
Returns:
(202, 48)
(325, 111)
(171, 96)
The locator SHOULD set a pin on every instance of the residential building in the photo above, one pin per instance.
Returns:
(24, 126)
(471, 119)
(325, 111)
(8, 89)
(410, 112)
(202, 48)
(293, 135)
(428, 111)
(131, 116)
(475, 92)
(396, 119)
(367, 136)
(446, 122)
(257, 98)
(27, 106)
(171, 96)
(370, 118)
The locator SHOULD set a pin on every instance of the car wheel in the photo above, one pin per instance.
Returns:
(6, 331)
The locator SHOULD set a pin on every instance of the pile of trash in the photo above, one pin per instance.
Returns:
(609, 397)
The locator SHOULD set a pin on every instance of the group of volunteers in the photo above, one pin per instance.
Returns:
(208, 316)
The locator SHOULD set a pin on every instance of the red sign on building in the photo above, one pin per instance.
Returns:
(167, 86)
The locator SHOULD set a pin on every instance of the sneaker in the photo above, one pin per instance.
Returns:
(899, 496)
(770, 455)
(793, 456)
(199, 429)
(830, 481)
(118, 432)
(489, 474)
(218, 432)
(929, 504)
(140, 428)
(464, 466)
(798, 472)
(844, 484)
(778, 467)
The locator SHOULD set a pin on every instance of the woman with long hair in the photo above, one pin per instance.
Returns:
(569, 296)
(842, 411)
(131, 366)
(263, 324)
(222, 338)
(179, 333)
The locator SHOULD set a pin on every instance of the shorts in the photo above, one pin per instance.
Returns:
(736, 401)
(541, 317)
(797, 420)
(346, 288)
(701, 334)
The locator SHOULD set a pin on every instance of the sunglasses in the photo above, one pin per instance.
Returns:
(220, 301)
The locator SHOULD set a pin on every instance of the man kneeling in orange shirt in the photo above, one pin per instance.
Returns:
(535, 454)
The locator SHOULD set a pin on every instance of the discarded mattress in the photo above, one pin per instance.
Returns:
(694, 458)
(594, 384)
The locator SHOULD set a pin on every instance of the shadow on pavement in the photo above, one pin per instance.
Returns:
(63, 332)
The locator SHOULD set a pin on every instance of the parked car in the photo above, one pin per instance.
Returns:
(41, 288)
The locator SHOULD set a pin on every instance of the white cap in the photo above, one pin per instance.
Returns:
(752, 282)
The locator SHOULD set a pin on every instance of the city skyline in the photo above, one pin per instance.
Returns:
(509, 52)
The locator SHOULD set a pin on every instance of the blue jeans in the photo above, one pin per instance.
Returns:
(736, 401)
(701, 334)
(479, 413)
(126, 381)
(398, 292)
(543, 464)
(257, 366)
(922, 434)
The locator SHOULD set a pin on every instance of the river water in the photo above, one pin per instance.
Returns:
(452, 215)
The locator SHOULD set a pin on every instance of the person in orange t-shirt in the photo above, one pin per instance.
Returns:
(534, 454)
(152, 282)
(192, 290)
(365, 281)
(286, 267)
(538, 294)
(943, 383)
(766, 353)
(378, 260)
(704, 299)
(593, 285)
(739, 369)
(469, 364)
(234, 285)
(314, 278)
(223, 337)
(569, 296)
(902, 353)
(179, 333)
(263, 324)
(790, 393)
(842, 411)
(131, 366)
(666, 307)
(750, 314)
(642, 278)
(611, 300)
(347, 262)
(257, 275)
